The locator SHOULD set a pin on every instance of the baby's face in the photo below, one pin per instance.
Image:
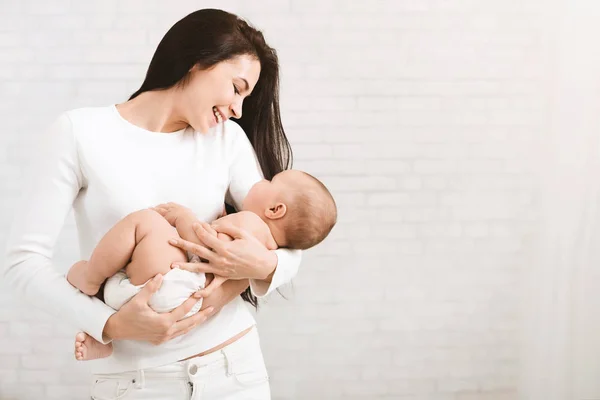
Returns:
(266, 194)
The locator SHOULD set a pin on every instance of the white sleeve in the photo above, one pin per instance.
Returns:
(244, 172)
(49, 189)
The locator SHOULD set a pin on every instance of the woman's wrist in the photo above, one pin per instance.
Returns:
(271, 266)
(109, 332)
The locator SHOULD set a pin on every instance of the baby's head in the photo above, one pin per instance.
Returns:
(298, 208)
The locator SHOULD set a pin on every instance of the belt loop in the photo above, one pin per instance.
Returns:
(228, 362)
(140, 381)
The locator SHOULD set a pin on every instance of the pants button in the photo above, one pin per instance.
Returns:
(193, 369)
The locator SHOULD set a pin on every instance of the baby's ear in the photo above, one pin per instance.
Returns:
(276, 212)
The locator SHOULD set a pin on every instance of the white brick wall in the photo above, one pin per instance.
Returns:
(418, 114)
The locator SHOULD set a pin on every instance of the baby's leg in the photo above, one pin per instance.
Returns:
(145, 228)
(112, 253)
(151, 254)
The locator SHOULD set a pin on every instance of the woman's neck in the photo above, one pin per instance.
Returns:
(155, 111)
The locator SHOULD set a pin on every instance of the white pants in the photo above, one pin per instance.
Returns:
(237, 371)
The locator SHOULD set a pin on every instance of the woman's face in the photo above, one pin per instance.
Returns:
(216, 94)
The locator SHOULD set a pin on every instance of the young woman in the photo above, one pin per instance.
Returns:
(171, 142)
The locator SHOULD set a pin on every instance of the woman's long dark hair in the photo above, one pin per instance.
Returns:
(205, 38)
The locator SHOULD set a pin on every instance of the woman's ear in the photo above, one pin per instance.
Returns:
(194, 68)
(276, 212)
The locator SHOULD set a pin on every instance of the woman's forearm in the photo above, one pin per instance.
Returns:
(270, 267)
(34, 278)
(287, 263)
(110, 331)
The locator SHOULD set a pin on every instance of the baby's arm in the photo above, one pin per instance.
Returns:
(182, 218)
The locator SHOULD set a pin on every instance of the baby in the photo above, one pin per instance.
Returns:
(293, 210)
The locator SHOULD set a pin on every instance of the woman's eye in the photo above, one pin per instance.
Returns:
(235, 89)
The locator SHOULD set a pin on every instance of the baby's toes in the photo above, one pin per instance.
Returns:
(80, 337)
(82, 352)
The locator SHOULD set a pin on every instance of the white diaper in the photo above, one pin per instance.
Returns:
(177, 286)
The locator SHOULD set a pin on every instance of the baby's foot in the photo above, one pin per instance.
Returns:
(88, 348)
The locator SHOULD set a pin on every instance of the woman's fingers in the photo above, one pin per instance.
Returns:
(179, 312)
(203, 231)
(210, 230)
(188, 323)
(196, 267)
(166, 205)
(231, 230)
(164, 208)
(149, 289)
(214, 284)
(185, 331)
(193, 248)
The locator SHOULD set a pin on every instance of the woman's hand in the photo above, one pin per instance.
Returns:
(213, 283)
(218, 296)
(243, 258)
(137, 321)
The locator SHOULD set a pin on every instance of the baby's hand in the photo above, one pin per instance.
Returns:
(172, 211)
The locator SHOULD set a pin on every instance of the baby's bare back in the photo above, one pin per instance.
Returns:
(249, 222)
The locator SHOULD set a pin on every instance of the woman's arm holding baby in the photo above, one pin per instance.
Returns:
(52, 183)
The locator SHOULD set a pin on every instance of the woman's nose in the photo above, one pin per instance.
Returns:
(236, 110)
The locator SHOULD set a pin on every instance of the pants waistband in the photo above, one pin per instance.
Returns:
(185, 369)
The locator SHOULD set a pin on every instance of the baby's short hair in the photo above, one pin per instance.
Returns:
(311, 213)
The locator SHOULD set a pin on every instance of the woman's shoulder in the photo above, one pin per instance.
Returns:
(94, 125)
(90, 115)
(69, 124)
